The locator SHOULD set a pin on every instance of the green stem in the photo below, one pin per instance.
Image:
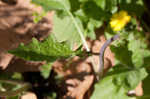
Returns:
(82, 37)
(78, 29)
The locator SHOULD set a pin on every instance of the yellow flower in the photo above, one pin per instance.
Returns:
(119, 20)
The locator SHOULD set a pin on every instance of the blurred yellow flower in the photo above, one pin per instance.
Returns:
(119, 20)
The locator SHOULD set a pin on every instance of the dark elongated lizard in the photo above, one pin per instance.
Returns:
(101, 54)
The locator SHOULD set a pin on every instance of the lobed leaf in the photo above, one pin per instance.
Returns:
(139, 49)
(48, 50)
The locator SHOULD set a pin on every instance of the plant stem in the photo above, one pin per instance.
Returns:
(81, 35)
(78, 29)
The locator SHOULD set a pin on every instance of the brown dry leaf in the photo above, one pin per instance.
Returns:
(16, 26)
(20, 65)
(139, 90)
(79, 73)
(29, 95)
(79, 91)
(5, 59)
(79, 79)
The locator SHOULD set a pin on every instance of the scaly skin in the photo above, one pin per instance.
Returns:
(101, 54)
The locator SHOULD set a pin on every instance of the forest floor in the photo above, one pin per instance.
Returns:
(16, 26)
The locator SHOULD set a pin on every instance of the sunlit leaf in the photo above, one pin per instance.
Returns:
(118, 82)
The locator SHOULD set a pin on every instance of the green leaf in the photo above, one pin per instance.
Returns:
(139, 49)
(48, 50)
(91, 26)
(13, 97)
(38, 17)
(83, 1)
(46, 69)
(91, 7)
(107, 5)
(146, 87)
(17, 75)
(122, 54)
(136, 41)
(138, 58)
(111, 6)
(146, 61)
(65, 30)
(101, 3)
(118, 82)
(49, 5)
(81, 15)
(75, 5)
(77, 23)
(132, 6)
(4, 75)
(51, 95)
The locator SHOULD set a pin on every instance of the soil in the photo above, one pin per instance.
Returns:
(16, 26)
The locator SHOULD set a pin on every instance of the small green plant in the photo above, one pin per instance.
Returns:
(74, 20)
